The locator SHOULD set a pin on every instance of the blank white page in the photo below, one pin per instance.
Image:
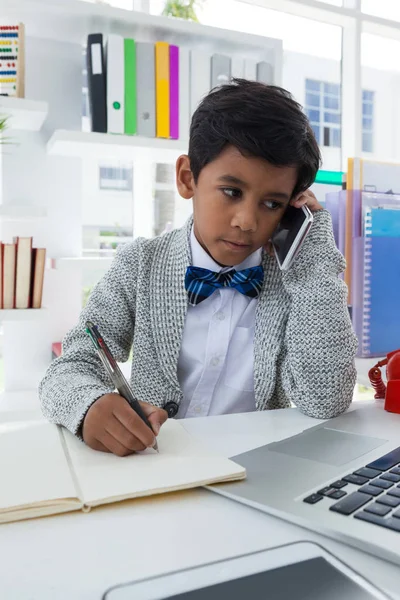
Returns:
(33, 465)
(181, 463)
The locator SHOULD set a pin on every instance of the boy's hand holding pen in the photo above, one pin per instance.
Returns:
(117, 422)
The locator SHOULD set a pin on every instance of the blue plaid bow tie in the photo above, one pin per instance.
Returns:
(201, 283)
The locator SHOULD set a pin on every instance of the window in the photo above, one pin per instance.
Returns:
(115, 178)
(386, 9)
(367, 121)
(322, 107)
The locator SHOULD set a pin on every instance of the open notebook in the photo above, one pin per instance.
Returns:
(45, 470)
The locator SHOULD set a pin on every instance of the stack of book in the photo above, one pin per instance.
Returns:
(142, 88)
(21, 274)
(366, 223)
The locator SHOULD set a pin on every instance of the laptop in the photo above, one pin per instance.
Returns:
(340, 478)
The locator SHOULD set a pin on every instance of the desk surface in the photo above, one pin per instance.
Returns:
(80, 555)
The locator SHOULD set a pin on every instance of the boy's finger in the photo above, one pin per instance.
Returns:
(114, 445)
(157, 419)
(300, 201)
(134, 424)
(125, 437)
(97, 445)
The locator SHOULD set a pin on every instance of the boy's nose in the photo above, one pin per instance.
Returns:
(245, 218)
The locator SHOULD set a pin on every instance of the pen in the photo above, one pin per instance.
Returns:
(115, 373)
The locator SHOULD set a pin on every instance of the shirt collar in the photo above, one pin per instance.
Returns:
(200, 258)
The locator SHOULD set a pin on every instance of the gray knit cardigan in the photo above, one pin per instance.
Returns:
(304, 345)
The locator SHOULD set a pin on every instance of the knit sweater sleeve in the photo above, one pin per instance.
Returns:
(317, 371)
(78, 378)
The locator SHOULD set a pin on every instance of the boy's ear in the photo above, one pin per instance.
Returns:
(184, 177)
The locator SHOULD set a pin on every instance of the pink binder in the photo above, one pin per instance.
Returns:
(174, 91)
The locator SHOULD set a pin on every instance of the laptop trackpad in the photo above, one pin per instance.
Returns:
(329, 446)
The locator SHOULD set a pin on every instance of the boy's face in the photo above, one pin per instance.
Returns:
(237, 203)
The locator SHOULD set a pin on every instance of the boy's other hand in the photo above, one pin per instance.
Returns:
(111, 425)
(307, 198)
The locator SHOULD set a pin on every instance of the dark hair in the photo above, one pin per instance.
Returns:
(260, 120)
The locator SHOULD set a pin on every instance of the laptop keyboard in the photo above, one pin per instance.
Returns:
(377, 499)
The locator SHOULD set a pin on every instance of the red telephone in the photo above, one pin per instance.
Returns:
(391, 393)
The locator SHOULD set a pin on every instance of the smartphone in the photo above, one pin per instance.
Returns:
(302, 570)
(290, 234)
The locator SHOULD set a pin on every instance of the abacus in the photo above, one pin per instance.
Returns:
(12, 60)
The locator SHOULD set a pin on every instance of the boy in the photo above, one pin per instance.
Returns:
(200, 347)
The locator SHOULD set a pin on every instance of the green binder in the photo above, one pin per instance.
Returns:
(130, 87)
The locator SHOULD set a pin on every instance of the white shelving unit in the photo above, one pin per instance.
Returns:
(82, 262)
(21, 212)
(24, 115)
(115, 147)
(19, 315)
(41, 191)
(72, 20)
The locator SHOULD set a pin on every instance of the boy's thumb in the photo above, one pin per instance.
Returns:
(158, 418)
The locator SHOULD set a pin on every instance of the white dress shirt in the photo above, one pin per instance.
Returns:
(215, 367)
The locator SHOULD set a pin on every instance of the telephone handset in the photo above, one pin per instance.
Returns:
(391, 392)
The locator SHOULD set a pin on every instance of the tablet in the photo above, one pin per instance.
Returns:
(300, 571)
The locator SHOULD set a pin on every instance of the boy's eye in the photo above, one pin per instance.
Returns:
(273, 204)
(232, 192)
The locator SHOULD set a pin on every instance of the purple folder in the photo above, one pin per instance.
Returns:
(174, 92)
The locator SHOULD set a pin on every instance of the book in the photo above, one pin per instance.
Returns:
(200, 77)
(1, 275)
(115, 84)
(9, 262)
(174, 92)
(265, 73)
(130, 87)
(250, 69)
(162, 90)
(96, 82)
(184, 93)
(369, 176)
(146, 91)
(23, 271)
(220, 70)
(376, 265)
(50, 471)
(37, 277)
(382, 221)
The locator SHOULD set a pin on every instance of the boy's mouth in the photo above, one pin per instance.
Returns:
(238, 246)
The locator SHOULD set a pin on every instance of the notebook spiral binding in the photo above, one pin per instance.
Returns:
(366, 318)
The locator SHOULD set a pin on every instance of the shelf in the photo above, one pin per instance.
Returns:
(82, 262)
(16, 314)
(27, 115)
(73, 20)
(21, 212)
(117, 147)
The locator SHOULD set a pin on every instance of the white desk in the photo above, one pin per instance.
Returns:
(78, 556)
